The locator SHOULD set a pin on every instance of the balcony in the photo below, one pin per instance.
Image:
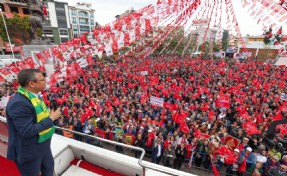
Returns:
(74, 14)
(84, 23)
(83, 15)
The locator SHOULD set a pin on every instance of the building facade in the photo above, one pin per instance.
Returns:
(82, 18)
(59, 30)
(9, 7)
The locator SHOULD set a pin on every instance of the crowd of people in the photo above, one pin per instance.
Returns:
(214, 112)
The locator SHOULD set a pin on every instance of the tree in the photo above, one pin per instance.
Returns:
(206, 50)
(216, 47)
(267, 36)
(19, 29)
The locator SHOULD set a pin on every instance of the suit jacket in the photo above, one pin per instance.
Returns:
(23, 131)
(180, 154)
(155, 151)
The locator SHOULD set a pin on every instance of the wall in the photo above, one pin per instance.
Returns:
(263, 54)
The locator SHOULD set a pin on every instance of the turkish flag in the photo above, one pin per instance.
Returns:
(2, 79)
(30, 62)
(14, 69)
(5, 72)
(55, 51)
(41, 58)
(23, 65)
(47, 54)
(63, 47)
(83, 39)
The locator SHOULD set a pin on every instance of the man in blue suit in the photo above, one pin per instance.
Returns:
(29, 131)
(157, 151)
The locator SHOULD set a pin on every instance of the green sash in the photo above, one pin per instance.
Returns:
(42, 113)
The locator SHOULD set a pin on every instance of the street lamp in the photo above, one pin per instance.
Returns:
(7, 33)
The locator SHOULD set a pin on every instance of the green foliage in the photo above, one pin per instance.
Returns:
(19, 30)
(206, 50)
(216, 47)
(266, 40)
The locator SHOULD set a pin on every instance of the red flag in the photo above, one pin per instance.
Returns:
(231, 142)
(47, 53)
(283, 108)
(215, 171)
(184, 128)
(278, 116)
(101, 133)
(14, 69)
(2, 79)
(63, 47)
(242, 167)
(5, 72)
(30, 62)
(251, 128)
(41, 58)
(44, 8)
(223, 101)
(151, 136)
(23, 65)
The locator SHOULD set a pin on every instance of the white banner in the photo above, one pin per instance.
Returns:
(144, 73)
(156, 101)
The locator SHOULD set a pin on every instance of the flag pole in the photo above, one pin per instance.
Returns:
(7, 33)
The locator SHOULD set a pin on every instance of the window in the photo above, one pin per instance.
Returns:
(84, 28)
(2, 7)
(60, 9)
(64, 39)
(14, 9)
(63, 32)
(74, 20)
(48, 31)
(83, 14)
(52, 39)
(83, 21)
(26, 11)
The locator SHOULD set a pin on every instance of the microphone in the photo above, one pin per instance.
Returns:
(54, 105)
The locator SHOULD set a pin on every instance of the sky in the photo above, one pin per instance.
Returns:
(106, 10)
